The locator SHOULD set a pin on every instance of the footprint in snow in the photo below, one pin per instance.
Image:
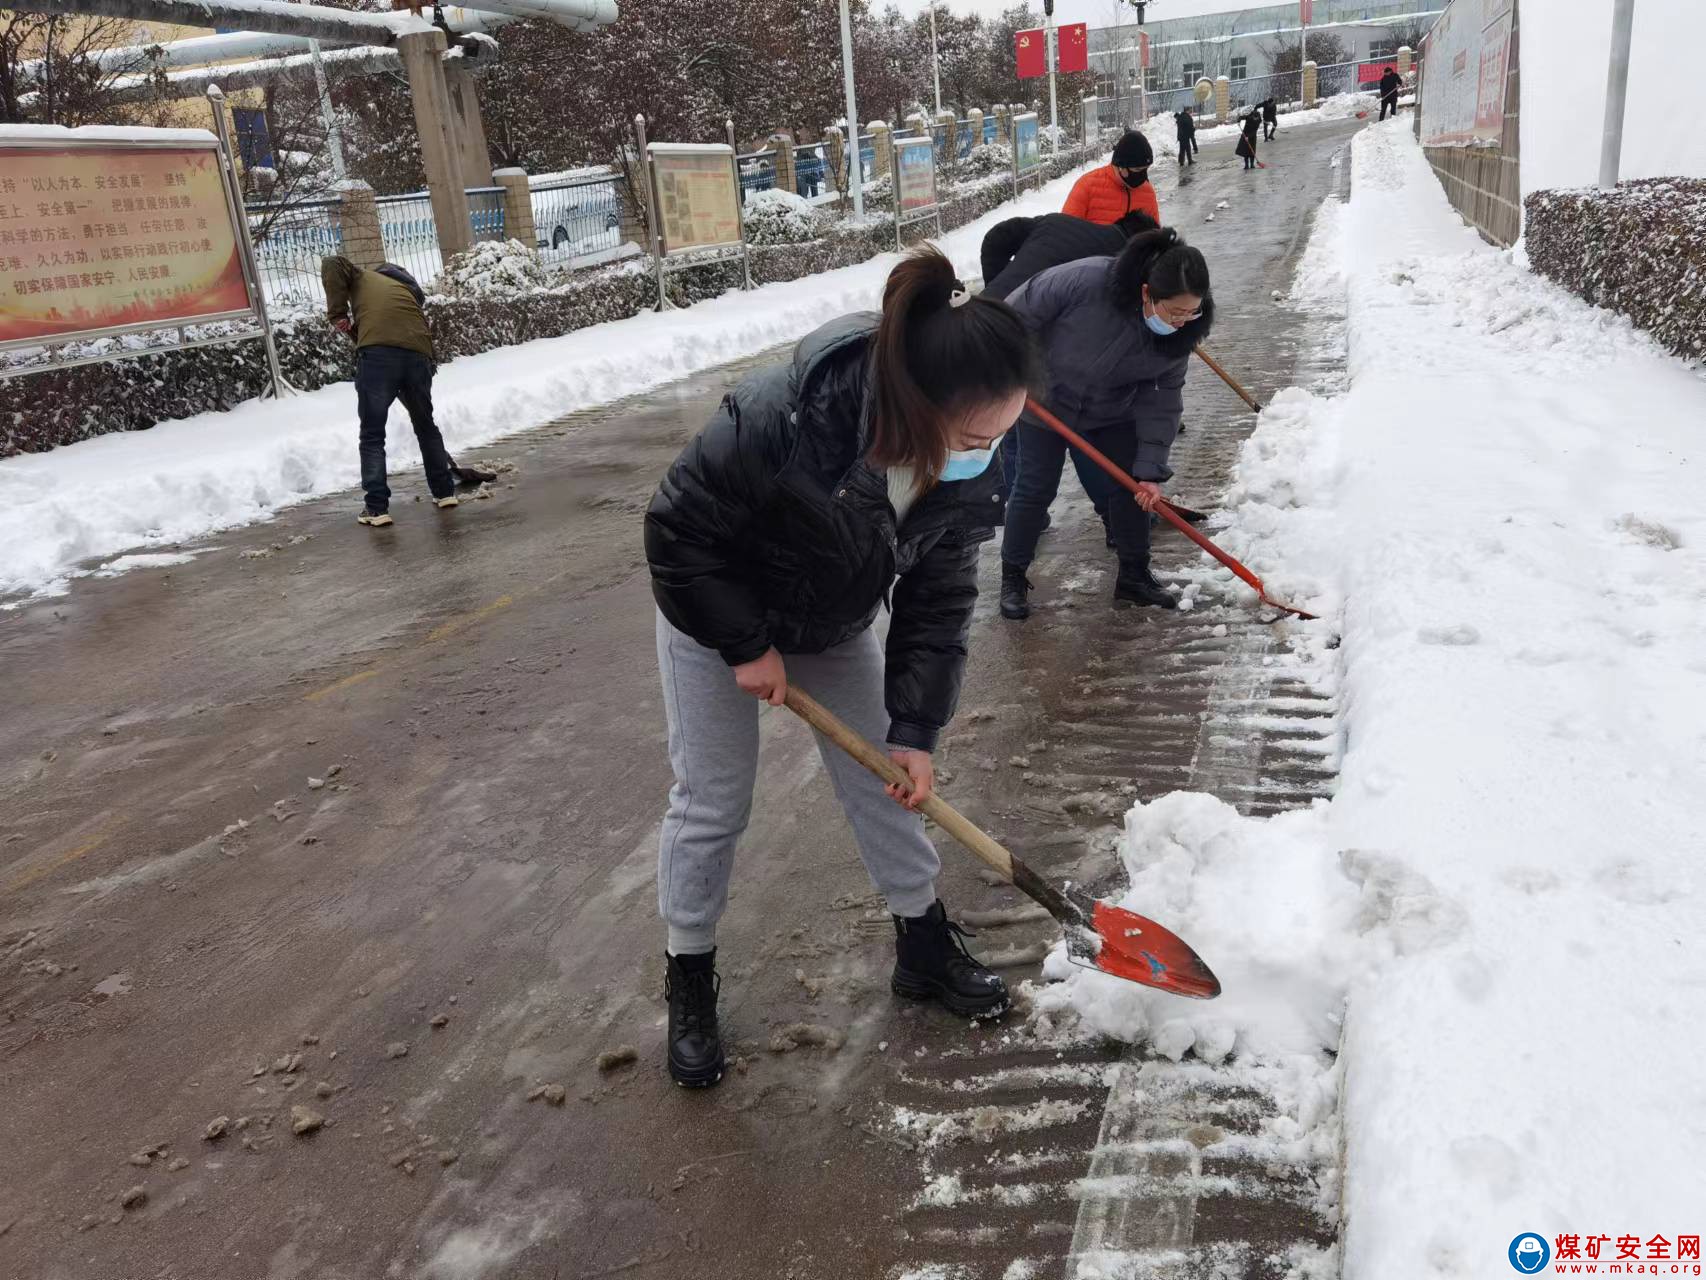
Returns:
(1461, 634)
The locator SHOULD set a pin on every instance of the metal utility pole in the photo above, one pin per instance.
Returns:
(855, 170)
(334, 139)
(935, 59)
(1616, 93)
(1048, 42)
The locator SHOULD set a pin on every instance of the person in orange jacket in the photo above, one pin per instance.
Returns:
(1107, 194)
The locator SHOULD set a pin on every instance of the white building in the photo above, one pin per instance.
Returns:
(1243, 45)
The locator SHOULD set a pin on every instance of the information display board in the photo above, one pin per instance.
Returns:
(915, 169)
(1027, 143)
(698, 195)
(112, 230)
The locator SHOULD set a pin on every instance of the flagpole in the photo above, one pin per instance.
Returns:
(935, 60)
(1048, 38)
(855, 173)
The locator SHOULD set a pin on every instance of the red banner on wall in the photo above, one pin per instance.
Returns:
(1031, 53)
(1074, 50)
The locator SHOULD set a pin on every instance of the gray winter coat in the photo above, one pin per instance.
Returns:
(1105, 367)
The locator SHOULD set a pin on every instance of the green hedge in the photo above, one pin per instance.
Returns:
(1640, 250)
(44, 410)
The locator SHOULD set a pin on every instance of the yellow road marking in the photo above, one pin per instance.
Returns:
(30, 877)
(441, 632)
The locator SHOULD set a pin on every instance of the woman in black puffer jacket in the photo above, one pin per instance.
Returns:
(858, 473)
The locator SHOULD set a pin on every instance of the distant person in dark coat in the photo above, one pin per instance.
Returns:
(1270, 118)
(1390, 83)
(808, 172)
(1186, 126)
(1246, 147)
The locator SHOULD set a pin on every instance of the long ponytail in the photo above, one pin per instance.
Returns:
(1162, 260)
(937, 351)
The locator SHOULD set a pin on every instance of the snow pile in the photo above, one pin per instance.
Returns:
(492, 268)
(1505, 898)
(182, 479)
(775, 216)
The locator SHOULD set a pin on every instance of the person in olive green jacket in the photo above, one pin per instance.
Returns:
(381, 310)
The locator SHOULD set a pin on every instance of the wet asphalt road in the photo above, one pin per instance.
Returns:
(184, 912)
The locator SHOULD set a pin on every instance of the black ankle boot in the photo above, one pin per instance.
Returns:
(1014, 589)
(1138, 586)
(932, 963)
(695, 1046)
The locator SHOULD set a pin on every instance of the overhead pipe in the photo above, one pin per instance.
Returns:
(316, 22)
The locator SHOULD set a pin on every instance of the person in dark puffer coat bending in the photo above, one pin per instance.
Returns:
(858, 473)
(1116, 339)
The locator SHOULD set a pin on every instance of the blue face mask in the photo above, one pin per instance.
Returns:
(968, 464)
(1158, 325)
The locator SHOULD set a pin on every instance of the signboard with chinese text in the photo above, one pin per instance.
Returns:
(1463, 75)
(111, 232)
(915, 169)
(698, 196)
(1027, 146)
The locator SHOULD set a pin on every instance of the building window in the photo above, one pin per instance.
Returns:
(1240, 67)
(1379, 49)
(1152, 80)
(1192, 72)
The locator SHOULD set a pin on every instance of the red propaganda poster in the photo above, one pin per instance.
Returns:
(1031, 53)
(1074, 52)
(114, 236)
(1306, 11)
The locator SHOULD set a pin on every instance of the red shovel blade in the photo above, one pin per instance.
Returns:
(1137, 949)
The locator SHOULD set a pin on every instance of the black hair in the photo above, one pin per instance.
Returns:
(936, 352)
(1135, 222)
(1162, 260)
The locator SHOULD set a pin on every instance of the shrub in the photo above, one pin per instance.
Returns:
(1640, 250)
(491, 268)
(987, 158)
(776, 216)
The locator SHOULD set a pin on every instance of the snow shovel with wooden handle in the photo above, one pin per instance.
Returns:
(1227, 378)
(1098, 934)
(1164, 509)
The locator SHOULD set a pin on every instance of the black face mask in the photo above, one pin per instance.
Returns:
(1136, 178)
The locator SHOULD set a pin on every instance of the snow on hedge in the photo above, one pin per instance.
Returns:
(775, 216)
(491, 268)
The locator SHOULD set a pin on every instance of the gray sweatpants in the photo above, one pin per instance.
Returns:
(713, 748)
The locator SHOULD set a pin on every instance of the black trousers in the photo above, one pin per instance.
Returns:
(1042, 458)
(1388, 104)
(384, 374)
(1185, 146)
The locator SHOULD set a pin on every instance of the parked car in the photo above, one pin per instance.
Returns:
(572, 215)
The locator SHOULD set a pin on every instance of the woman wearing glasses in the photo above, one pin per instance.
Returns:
(1116, 336)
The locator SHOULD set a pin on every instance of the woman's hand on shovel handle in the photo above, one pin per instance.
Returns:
(920, 769)
(764, 678)
(1148, 494)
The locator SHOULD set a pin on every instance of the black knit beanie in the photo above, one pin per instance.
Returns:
(1133, 151)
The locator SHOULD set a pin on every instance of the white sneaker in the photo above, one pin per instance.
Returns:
(449, 500)
(375, 520)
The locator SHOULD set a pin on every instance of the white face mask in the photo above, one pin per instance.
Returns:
(968, 464)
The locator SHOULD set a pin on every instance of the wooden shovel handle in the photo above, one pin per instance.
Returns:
(1228, 379)
(934, 807)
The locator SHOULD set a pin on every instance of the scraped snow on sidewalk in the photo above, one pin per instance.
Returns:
(182, 479)
(1502, 907)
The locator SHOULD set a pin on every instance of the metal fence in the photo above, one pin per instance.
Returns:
(1286, 87)
(290, 239)
(486, 212)
(578, 217)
